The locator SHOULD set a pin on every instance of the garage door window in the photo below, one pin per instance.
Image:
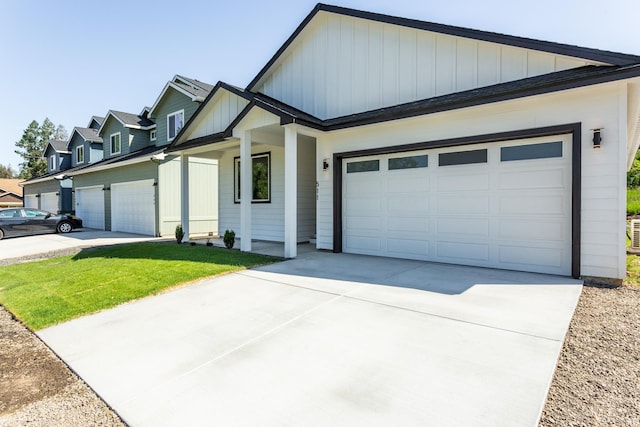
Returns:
(462, 158)
(532, 151)
(409, 162)
(363, 166)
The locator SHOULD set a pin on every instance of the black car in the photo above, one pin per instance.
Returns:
(26, 221)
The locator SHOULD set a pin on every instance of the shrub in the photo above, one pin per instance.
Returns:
(179, 234)
(633, 201)
(229, 238)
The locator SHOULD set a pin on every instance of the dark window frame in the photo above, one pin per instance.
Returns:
(236, 178)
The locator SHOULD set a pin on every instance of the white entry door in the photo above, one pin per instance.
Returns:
(49, 202)
(90, 206)
(502, 205)
(133, 207)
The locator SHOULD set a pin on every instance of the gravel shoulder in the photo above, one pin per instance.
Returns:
(596, 383)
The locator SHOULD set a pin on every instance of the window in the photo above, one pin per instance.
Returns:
(153, 135)
(10, 213)
(52, 163)
(80, 154)
(409, 162)
(34, 213)
(115, 143)
(363, 166)
(532, 151)
(462, 158)
(261, 186)
(175, 121)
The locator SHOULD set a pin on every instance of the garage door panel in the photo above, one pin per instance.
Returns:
(408, 224)
(513, 214)
(467, 182)
(455, 204)
(133, 207)
(90, 207)
(540, 179)
(547, 205)
(541, 258)
(518, 229)
(477, 227)
(49, 202)
(399, 247)
(461, 250)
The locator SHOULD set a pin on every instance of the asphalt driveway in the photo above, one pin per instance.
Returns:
(15, 249)
(330, 339)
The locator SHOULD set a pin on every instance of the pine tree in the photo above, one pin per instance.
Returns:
(30, 148)
(6, 172)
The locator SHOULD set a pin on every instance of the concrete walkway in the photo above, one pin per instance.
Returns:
(330, 339)
(16, 249)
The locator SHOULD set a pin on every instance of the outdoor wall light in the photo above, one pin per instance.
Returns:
(597, 138)
(106, 188)
(325, 164)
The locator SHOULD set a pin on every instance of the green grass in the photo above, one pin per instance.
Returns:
(47, 292)
(633, 201)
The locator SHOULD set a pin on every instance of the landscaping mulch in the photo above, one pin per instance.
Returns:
(597, 381)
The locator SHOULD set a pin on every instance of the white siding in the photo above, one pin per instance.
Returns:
(268, 218)
(203, 196)
(341, 65)
(603, 170)
(217, 115)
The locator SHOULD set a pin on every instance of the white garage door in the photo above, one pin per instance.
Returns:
(90, 206)
(133, 207)
(31, 201)
(49, 202)
(501, 205)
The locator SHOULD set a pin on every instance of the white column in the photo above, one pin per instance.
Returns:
(184, 195)
(290, 192)
(246, 191)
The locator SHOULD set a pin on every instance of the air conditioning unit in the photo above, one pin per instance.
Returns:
(635, 234)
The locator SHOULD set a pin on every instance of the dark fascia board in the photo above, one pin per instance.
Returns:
(607, 57)
(199, 142)
(220, 85)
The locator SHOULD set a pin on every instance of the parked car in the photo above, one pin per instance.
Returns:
(26, 221)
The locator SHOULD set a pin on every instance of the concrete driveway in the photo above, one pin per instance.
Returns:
(330, 339)
(15, 249)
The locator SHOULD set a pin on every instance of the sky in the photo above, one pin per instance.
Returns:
(69, 59)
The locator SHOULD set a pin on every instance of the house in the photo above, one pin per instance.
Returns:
(394, 137)
(51, 192)
(10, 193)
(134, 187)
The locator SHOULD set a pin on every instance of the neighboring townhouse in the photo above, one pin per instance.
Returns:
(394, 137)
(134, 187)
(10, 193)
(51, 192)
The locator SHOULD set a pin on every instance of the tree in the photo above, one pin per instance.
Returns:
(633, 176)
(6, 172)
(32, 144)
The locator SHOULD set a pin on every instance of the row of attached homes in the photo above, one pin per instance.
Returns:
(384, 136)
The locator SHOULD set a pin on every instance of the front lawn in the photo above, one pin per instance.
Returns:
(47, 292)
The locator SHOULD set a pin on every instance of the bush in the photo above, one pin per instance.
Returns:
(229, 238)
(633, 201)
(179, 234)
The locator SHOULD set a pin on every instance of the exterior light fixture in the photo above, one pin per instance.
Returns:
(325, 164)
(597, 138)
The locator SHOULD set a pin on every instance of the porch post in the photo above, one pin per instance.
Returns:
(246, 191)
(290, 191)
(184, 195)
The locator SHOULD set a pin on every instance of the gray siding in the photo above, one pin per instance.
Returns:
(172, 101)
(96, 152)
(50, 186)
(136, 172)
(113, 126)
(75, 142)
(139, 139)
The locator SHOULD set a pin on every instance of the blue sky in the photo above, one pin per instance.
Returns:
(69, 60)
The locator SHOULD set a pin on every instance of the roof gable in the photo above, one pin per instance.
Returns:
(128, 120)
(341, 61)
(195, 90)
(56, 147)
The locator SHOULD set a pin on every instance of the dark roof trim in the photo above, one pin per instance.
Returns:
(607, 57)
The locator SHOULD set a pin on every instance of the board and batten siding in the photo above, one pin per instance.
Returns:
(603, 170)
(217, 114)
(135, 172)
(171, 102)
(341, 65)
(267, 219)
(203, 196)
